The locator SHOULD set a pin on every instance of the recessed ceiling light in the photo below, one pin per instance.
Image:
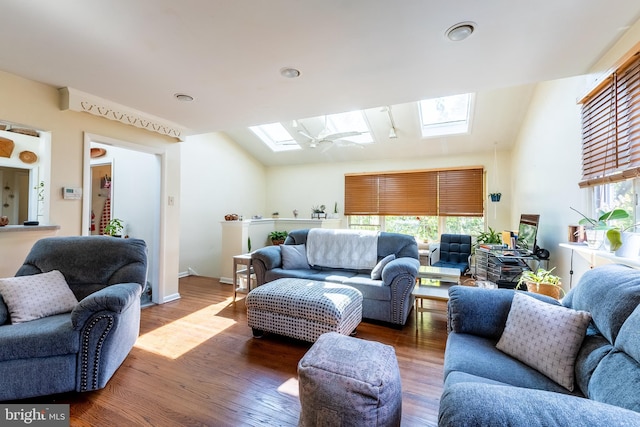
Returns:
(290, 73)
(460, 31)
(183, 97)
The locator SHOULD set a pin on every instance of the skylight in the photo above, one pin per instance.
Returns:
(276, 137)
(352, 121)
(447, 115)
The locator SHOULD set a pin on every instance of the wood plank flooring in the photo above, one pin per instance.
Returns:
(196, 364)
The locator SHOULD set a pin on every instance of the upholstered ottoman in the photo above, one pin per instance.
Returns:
(346, 381)
(303, 309)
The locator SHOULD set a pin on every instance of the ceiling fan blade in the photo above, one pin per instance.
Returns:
(341, 135)
(347, 143)
(306, 135)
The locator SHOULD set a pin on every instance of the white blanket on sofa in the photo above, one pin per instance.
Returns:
(341, 248)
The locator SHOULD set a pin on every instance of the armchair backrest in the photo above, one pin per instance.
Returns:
(89, 263)
(455, 248)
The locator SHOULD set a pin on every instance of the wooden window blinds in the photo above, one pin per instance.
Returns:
(456, 192)
(611, 127)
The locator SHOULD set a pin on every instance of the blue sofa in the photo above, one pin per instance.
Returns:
(484, 386)
(77, 350)
(387, 299)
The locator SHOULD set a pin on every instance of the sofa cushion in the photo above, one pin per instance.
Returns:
(41, 338)
(294, 257)
(36, 296)
(610, 293)
(545, 337)
(4, 312)
(479, 356)
(376, 273)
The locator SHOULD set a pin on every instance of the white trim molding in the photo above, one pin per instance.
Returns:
(75, 100)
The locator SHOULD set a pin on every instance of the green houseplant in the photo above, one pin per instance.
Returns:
(278, 237)
(490, 237)
(613, 234)
(114, 228)
(541, 281)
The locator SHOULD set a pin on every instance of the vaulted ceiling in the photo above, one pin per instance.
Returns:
(355, 54)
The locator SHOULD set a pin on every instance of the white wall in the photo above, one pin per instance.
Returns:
(547, 159)
(304, 186)
(218, 178)
(37, 105)
(547, 165)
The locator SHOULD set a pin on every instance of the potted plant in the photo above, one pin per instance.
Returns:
(114, 228)
(600, 228)
(542, 282)
(278, 237)
(275, 215)
(495, 197)
(318, 212)
(490, 237)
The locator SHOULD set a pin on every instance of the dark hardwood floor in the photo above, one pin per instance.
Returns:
(196, 364)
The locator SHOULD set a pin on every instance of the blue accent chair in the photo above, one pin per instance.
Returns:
(455, 250)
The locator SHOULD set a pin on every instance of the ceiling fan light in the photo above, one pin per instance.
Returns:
(392, 134)
(460, 31)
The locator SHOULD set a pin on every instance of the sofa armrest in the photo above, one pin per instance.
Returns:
(115, 298)
(399, 266)
(265, 259)
(476, 404)
(480, 311)
(400, 275)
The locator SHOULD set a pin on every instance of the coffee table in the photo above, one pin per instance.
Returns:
(444, 274)
(433, 283)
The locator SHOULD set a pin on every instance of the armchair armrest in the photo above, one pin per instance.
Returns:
(114, 298)
(482, 312)
(476, 404)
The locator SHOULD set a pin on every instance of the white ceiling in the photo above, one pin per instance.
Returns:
(353, 54)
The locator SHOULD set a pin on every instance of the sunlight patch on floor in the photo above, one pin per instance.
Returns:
(183, 335)
(289, 387)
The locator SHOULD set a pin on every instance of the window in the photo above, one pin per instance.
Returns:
(424, 204)
(353, 121)
(446, 115)
(276, 137)
(611, 140)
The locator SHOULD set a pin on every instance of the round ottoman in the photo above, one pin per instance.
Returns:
(346, 381)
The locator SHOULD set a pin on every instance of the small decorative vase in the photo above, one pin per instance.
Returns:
(4, 220)
(295, 213)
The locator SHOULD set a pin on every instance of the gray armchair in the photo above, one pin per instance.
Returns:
(79, 350)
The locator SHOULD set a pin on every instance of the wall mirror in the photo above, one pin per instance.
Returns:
(25, 162)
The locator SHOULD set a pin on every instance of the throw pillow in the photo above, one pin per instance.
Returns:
(294, 257)
(544, 336)
(376, 273)
(36, 296)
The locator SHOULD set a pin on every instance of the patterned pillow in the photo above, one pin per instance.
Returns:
(376, 273)
(544, 336)
(294, 257)
(36, 296)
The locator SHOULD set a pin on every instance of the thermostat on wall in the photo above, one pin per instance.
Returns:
(71, 193)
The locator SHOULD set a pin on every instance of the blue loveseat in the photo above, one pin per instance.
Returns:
(387, 298)
(484, 386)
(77, 350)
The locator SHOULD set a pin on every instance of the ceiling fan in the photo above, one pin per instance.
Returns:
(330, 138)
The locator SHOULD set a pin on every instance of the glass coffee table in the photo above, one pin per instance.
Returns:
(433, 284)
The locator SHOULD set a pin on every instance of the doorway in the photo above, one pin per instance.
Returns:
(124, 182)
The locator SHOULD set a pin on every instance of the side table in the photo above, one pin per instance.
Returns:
(436, 290)
(241, 260)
